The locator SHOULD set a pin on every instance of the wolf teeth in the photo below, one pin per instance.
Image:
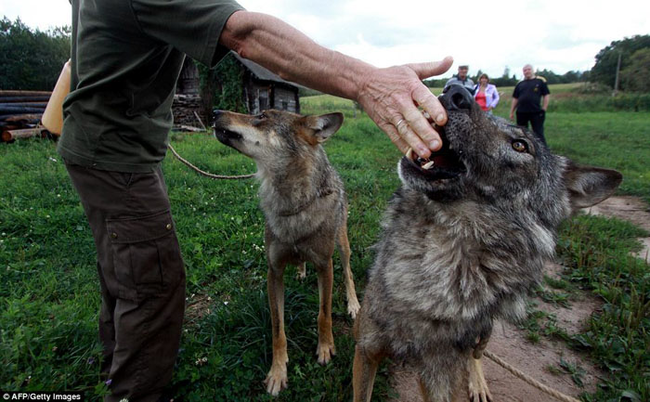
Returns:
(428, 165)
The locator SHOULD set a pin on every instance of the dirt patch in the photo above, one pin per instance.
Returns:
(542, 360)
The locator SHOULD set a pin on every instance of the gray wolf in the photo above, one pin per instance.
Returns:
(464, 239)
(305, 207)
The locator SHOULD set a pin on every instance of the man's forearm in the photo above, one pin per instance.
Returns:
(292, 55)
(545, 102)
(393, 97)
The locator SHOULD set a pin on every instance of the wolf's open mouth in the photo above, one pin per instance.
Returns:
(226, 136)
(442, 164)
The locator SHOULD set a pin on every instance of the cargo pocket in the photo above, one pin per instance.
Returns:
(146, 255)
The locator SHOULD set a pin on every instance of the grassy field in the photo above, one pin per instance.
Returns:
(49, 290)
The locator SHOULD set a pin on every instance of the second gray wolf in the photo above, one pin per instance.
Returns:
(306, 211)
(464, 240)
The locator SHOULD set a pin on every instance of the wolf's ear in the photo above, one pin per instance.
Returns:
(590, 185)
(324, 126)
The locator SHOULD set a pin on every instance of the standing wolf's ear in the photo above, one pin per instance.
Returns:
(324, 126)
(590, 185)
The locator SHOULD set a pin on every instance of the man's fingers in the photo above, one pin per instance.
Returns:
(428, 101)
(426, 135)
(426, 70)
(395, 137)
(407, 134)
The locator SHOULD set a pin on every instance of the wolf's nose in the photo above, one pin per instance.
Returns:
(456, 97)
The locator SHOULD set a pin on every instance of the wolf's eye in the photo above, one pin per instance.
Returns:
(520, 146)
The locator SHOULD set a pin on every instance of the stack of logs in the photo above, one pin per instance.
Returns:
(21, 112)
(188, 113)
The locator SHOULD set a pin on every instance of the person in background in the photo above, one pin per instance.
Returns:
(530, 99)
(126, 58)
(462, 79)
(486, 94)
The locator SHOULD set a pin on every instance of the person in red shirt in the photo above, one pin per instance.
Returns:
(486, 94)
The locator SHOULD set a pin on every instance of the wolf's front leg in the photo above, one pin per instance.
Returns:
(477, 386)
(363, 373)
(326, 347)
(344, 250)
(442, 371)
(276, 380)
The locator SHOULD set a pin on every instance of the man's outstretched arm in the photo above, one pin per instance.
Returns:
(390, 96)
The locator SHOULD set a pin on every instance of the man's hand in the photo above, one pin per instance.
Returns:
(513, 107)
(391, 97)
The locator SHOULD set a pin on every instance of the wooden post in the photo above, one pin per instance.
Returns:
(618, 69)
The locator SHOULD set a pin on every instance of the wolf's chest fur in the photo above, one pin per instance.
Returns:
(304, 200)
(459, 262)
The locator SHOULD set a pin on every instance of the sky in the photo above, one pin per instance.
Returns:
(558, 35)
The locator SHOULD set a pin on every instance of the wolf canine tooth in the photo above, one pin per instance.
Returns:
(428, 165)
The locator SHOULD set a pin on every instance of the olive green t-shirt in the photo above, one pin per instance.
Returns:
(126, 59)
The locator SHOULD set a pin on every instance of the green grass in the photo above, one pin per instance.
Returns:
(618, 140)
(597, 254)
(49, 290)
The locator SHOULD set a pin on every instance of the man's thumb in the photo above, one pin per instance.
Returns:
(426, 70)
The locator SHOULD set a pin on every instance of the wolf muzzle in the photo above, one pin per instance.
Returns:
(456, 97)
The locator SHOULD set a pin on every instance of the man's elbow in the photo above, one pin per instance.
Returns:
(236, 32)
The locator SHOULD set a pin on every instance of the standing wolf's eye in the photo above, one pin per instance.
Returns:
(520, 146)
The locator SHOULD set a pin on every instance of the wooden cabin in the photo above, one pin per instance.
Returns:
(262, 89)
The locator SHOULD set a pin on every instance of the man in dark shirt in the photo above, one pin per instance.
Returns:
(530, 99)
(126, 58)
(462, 79)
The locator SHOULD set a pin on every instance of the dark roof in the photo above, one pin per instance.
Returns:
(260, 72)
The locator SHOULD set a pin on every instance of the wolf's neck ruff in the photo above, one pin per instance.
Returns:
(287, 199)
(300, 208)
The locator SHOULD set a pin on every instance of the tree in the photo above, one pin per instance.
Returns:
(604, 71)
(636, 76)
(505, 80)
(31, 60)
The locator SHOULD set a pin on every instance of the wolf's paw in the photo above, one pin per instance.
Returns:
(482, 395)
(353, 307)
(276, 380)
(325, 352)
(477, 386)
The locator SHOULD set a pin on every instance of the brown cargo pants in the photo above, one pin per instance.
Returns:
(141, 275)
